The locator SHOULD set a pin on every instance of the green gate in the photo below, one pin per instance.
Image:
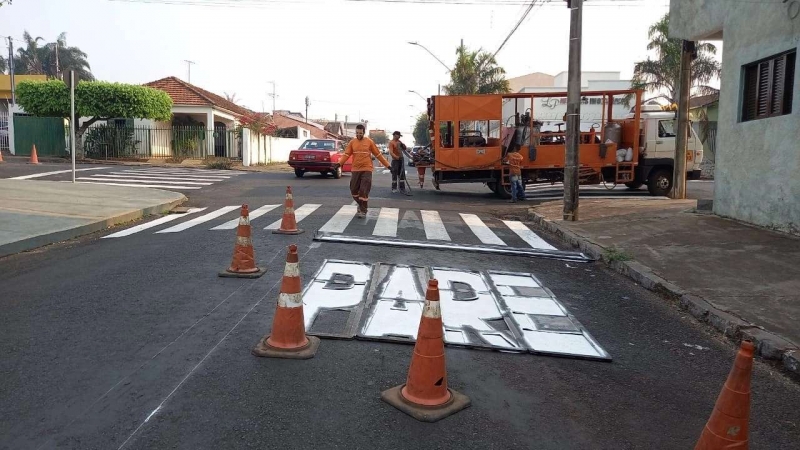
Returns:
(48, 134)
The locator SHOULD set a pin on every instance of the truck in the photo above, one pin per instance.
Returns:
(471, 136)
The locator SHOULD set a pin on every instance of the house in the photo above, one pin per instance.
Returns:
(195, 107)
(5, 87)
(704, 112)
(759, 105)
(294, 126)
(350, 128)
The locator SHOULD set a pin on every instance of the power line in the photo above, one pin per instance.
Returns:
(519, 22)
(266, 3)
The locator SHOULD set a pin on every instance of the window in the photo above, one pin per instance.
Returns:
(318, 144)
(666, 128)
(768, 87)
(446, 133)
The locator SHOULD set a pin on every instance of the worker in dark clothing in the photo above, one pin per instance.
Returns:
(396, 148)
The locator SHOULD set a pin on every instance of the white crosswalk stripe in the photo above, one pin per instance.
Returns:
(299, 214)
(480, 230)
(151, 224)
(253, 215)
(387, 222)
(199, 220)
(340, 220)
(163, 178)
(56, 172)
(145, 181)
(125, 183)
(434, 228)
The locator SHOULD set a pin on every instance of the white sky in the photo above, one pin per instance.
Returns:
(350, 58)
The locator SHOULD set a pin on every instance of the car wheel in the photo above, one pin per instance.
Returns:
(337, 173)
(660, 183)
(299, 173)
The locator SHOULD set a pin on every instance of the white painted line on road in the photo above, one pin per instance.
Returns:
(434, 228)
(480, 230)
(163, 176)
(299, 214)
(527, 235)
(253, 215)
(340, 220)
(387, 222)
(172, 174)
(156, 186)
(198, 220)
(46, 174)
(132, 180)
(154, 223)
(197, 171)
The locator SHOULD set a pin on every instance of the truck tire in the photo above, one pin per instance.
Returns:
(659, 182)
(634, 184)
(299, 173)
(501, 191)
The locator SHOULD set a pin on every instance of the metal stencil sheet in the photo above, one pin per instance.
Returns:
(541, 321)
(395, 306)
(334, 298)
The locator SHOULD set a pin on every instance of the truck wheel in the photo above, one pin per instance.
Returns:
(501, 191)
(435, 184)
(299, 173)
(634, 184)
(660, 183)
(337, 173)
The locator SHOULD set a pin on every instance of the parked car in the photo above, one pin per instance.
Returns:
(319, 155)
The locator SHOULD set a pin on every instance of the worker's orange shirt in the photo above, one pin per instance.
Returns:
(515, 163)
(394, 150)
(362, 152)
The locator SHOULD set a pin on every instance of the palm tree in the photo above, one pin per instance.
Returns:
(230, 97)
(662, 75)
(52, 59)
(29, 57)
(476, 72)
(3, 65)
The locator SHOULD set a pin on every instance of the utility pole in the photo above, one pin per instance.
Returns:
(11, 69)
(308, 102)
(273, 96)
(189, 67)
(72, 123)
(688, 53)
(58, 67)
(572, 160)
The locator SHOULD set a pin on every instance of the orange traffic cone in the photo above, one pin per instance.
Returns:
(288, 222)
(288, 338)
(727, 428)
(243, 264)
(425, 395)
(34, 158)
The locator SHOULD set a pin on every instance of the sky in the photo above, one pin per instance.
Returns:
(351, 58)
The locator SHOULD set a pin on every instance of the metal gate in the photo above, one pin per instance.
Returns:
(48, 134)
(4, 145)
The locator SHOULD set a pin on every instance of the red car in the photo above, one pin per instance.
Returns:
(319, 155)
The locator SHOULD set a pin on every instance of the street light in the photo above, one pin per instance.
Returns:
(431, 53)
(418, 94)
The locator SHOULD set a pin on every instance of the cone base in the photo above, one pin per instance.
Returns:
(297, 231)
(423, 413)
(265, 350)
(227, 274)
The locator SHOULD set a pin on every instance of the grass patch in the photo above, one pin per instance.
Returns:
(614, 254)
(218, 163)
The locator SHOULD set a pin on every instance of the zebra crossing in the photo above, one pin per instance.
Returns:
(158, 177)
(380, 222)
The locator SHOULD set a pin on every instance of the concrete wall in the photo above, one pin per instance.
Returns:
(757, 161)
(266, 149)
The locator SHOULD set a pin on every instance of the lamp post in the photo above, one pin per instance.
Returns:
(419, 95)
(431, 53)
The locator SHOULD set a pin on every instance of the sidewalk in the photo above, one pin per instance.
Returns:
(740, 279)
(37, 213)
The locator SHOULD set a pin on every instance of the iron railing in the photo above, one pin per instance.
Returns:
(109, 141)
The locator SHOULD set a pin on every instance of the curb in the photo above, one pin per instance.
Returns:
(71, 233)
(768, 345)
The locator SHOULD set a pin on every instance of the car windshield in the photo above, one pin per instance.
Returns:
(313, 144)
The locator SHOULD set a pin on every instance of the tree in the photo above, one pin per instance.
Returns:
(421, 136)
(379, 137)
(230, 97)
(97, 100)
(3, 65)
(51, 59)
(661, 76)
(476, 72)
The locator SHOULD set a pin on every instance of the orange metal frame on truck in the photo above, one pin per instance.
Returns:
(450, 111)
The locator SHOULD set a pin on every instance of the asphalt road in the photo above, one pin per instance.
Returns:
(134, 342)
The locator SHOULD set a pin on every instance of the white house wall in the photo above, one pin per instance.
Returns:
(757, 161)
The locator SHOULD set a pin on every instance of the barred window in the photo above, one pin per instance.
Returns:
(768, 87)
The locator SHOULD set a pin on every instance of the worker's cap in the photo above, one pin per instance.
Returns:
(397, 133)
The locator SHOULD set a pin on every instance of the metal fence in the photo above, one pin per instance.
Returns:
(4, 143)
(108, 141)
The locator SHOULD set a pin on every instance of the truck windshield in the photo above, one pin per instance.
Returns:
(666, 128)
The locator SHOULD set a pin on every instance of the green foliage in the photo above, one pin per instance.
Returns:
(379, 137)
(421, 136)
(51, 59)
(476, 72)
(662, 75)
(218, 163)
(94, 99)
(614, 254)
(105, 140)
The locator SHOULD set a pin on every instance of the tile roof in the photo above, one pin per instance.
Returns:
(183, 93)
(316, 130)
(703, 100)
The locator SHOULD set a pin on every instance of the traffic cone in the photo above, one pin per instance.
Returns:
(288, 222)
(34, 158)
(727, 428)
(425, 395)
(288, 338)
(243, 264)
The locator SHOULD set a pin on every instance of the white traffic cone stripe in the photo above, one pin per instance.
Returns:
(291, 270)
(432, 310)
(290, 300)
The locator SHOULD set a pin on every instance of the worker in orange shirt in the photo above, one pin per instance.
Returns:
(396, 148)
(514, 160)
(362, 149)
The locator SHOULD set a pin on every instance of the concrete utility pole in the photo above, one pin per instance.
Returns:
(11, 69)
(189, 66)
(72, 120)
(308, 103)
(58, 66)
(571, 160)
(682, 132)
(273, 95)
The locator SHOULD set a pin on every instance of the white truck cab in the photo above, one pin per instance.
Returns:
(657, 152)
